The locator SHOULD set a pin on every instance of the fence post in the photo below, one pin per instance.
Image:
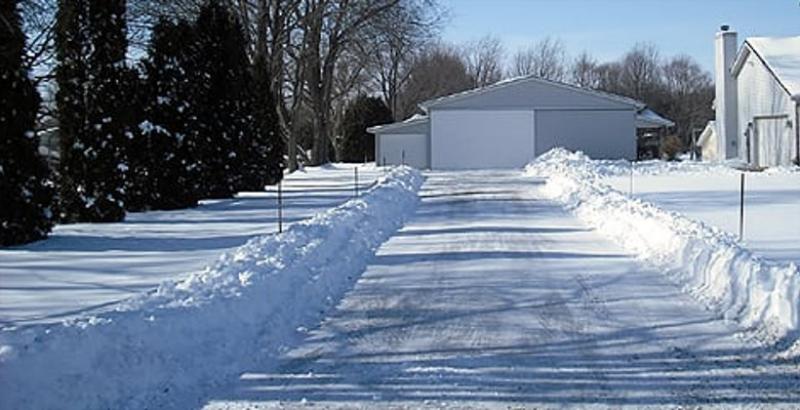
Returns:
(630, 185)
(280, 206)
(355, 186)
(403, 157)
(741, 208)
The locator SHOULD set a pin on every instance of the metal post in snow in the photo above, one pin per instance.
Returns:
(630, 185)
(741, 208)
(280, 206)
(355, 173)
(403, 157)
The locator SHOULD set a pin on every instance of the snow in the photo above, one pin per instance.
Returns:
(161, 348)
(772, 203)
(782, 55)
(493, 296)
(762, 296)
(86, 268)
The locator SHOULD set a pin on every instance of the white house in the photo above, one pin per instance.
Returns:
(757, 98)
(507, 124)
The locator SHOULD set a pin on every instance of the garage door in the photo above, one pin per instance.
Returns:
(598, 133)
(411, 149)
(773, 142)
(471, 139)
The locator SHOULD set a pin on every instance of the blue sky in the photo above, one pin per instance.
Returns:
(608, 28)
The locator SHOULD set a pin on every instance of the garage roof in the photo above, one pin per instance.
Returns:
(527, 80)
(410, 125)
(647, 118)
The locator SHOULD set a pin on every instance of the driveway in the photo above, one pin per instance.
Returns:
(492, 296)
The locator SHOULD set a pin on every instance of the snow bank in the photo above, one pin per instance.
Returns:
(615, 168)
(710, 264)
(182, 339)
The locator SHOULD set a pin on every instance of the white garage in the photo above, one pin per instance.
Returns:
(507, 124)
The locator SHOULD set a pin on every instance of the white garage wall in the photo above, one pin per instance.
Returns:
(599, 134)
(472, 139)
(393, 146)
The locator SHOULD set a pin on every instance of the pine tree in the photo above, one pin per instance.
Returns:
(163, 172)
(364, 112)
(269, 126)
(95, 110)
(26, 193)
(72, 76)
(262, 151)
(222, 103)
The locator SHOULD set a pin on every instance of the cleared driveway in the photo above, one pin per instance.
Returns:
(494, 297)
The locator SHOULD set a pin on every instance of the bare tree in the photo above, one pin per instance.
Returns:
(640, 77)
(689, 94)
(38, 19)
(437, 71)
(546, 59)
(329, 27)
(395, 39)
(584, 71)
(484, 60)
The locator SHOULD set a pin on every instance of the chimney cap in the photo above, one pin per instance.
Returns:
(725, 27)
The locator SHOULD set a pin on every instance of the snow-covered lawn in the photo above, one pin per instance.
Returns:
(772, 204)
(163, 348)
(86, 268)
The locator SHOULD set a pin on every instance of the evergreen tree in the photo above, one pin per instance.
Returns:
(364, 112)
(72, 76)
(26, 193)
(262, 151)
(163, 171)
(95, 111)
(223, 107)
(269, 126)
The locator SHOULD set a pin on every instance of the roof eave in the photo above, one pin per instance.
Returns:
(433, 103)
(395, 125)
(738, 63)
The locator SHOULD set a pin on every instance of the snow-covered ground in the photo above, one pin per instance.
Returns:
(491, 295)
(712, 265)
(163, 348)
(86, 268)
(772, 204)
(494, 296)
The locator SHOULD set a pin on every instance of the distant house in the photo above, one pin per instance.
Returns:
(757, 99)
(507, 124)
(707, 142)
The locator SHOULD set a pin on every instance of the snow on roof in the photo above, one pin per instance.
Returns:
(518, 80)
(413, 120)
(782, 57)
(647, 118)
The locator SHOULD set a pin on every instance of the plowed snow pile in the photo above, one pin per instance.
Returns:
(760, 295)
(188, 336)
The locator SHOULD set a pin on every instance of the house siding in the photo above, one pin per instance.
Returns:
(761, 95)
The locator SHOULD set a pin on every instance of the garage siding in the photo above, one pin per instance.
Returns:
(599, 134)
(411, 149)
(474, 139)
